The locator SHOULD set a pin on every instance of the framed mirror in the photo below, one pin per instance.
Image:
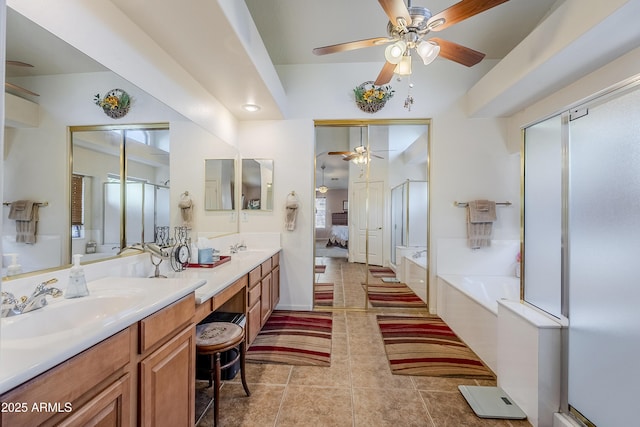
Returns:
(219, 184)
(105, 215)
(257, 184)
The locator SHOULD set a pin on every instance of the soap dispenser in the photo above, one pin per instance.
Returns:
(77, 286)
(14, 268)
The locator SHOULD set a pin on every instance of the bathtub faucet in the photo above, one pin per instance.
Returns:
(418, 254)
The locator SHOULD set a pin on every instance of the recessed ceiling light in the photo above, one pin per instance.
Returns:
(252, 108)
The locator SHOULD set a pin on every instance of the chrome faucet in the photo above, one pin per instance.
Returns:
(417, 254)
(237, 247)
(8, 306)
(38, 299)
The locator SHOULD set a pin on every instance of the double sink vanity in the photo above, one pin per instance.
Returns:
(125, 354)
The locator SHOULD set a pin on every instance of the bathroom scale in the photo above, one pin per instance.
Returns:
(390, 280)
(491, 402)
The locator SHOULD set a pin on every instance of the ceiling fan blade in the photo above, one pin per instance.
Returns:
(19, 64)
(396, 9)
(340, 153)
(375, 155)
(358, 44)
(19, 89)
(458, 53)
(350, 156)
(385, 74)
(461, 11)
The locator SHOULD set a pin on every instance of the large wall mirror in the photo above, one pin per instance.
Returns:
(371, 212)
(219, 184)
(257, 184)
(105, 214)
(52, 117)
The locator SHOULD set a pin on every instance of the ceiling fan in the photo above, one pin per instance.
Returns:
(407, 29)
(15, 87)
(359, 154)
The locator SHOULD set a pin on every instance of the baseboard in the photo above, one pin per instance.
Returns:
(294, 307)
(563, 420)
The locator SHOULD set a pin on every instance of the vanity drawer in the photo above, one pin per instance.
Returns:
(254, 295)
(266, 267)
(275, 260)
(254, 276)
(160, 325)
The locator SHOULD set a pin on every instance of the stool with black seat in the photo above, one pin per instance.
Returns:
(215, 338)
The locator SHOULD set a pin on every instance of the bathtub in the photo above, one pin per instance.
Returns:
(468, 304)
(414, 274)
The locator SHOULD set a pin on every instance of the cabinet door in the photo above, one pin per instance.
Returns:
(167, 383)
(253, 322)
(265, 300)
(275, 287)
(110, 408)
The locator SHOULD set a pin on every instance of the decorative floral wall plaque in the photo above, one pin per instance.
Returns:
(115, 103)
(371, 98)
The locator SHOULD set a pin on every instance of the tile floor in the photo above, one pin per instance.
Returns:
(357, 390)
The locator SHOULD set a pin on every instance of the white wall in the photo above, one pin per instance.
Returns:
(290, 144)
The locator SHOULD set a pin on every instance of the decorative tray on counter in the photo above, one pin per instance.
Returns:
(223, 259)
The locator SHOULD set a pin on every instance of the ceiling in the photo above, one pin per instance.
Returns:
(201, 39)
(290, 29)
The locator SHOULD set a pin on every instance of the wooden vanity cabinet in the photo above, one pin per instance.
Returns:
(254, 313)
(143, 375)
(263, 294)
(92, 388)
(167, 366)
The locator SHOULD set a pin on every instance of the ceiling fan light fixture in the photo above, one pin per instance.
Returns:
(360, 160)
(404, 66)
(428, 51)
(323, 189)
(394, 52)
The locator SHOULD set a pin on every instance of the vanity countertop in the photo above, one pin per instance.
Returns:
(34, 342)
(218, 278)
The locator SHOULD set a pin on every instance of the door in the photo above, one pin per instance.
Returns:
(604, 243)
(368, 230)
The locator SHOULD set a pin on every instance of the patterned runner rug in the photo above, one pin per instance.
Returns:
(393, 295)
(320, 268)
(382, 272)
(323, 294)
(427, 346)
(294, 338)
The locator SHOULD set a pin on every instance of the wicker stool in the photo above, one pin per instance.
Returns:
(215, 338)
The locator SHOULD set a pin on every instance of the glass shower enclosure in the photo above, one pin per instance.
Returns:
(408, 219)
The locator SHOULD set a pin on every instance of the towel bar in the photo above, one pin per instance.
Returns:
(465, 204)
(39, 203)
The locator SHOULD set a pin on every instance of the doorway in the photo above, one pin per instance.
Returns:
(358, 163)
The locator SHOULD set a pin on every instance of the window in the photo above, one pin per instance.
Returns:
(321, 212)
(77, 205)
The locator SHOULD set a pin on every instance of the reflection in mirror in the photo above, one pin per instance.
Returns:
(257, 184)
(36, 162)
(219, 184)
(373, 213)
(99, 224)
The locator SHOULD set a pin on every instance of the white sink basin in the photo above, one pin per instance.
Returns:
(64, 316)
